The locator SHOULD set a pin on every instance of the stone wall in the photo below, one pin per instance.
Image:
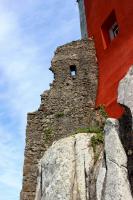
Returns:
(68, 105)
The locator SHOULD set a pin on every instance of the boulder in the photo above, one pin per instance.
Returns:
(117, 185)
(65, 168)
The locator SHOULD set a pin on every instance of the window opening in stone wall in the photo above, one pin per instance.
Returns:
(73, 70)
(109, 29)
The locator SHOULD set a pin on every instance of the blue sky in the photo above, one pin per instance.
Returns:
(30, 31)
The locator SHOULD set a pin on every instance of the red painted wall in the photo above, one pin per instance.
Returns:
(115, 60)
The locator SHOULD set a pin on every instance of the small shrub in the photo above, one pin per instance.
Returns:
(97, 140)
(59, 115)
(82, 130)
(102, 111)
(48, 134)
(93, 129)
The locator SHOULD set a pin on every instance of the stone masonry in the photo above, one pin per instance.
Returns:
(67, 106)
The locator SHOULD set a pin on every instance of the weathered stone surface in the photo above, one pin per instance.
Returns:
(125, 97)
(125, 90)
(100, 181)
(116, 183)
(65, 169)
(68, 105)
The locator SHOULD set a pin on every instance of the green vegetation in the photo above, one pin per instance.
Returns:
(48, 134)
(102, 111)
(93, 129)
(97, 140)
(59, 115)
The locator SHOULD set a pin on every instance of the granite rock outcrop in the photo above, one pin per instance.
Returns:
(125, 98)
(67, 169)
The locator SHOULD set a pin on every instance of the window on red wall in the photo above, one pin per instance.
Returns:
(109, 29)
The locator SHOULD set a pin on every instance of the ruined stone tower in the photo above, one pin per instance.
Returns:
(67, 106)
